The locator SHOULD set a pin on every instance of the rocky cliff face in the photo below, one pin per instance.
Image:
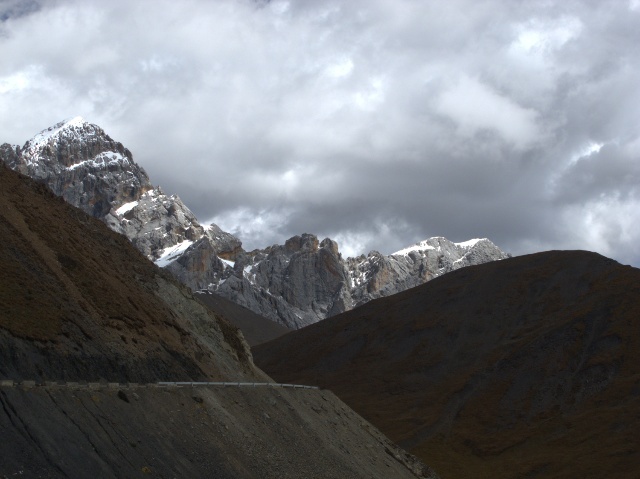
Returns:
(307, 280)
(162, 228)
(296, 284)
(376, 275)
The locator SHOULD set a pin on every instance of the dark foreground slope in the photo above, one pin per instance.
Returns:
(526, 367)
(223, 433)
(78, 302)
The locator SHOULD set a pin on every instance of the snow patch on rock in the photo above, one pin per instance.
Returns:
(169, 255)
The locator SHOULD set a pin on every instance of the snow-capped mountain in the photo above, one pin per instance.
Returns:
(298, 283)
(377, 275)
(84, 165)
(81, 163)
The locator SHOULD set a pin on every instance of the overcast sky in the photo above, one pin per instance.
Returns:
(378, 123)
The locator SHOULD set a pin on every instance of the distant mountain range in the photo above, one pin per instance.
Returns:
(296, 284)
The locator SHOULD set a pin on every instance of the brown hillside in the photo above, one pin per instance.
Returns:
(526, 367)
(77, 301)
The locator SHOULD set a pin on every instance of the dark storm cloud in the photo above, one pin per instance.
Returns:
(378, 123)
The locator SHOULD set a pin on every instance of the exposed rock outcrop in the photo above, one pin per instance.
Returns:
(162, 228)
(376, 275)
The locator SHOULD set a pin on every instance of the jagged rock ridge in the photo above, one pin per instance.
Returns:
(296, 284)
(307, 280)
(376, 275)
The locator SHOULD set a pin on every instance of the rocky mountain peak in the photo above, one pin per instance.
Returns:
(331, 246)
(46, 144)
(82, 163)
(305, 242)
(377, 275)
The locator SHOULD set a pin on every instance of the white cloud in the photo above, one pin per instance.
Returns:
(539, 38)
(475, 107)
(604, 225)
(256, 228)
(15, 82)
(340, 69)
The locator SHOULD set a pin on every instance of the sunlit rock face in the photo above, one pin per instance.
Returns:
(375, 275)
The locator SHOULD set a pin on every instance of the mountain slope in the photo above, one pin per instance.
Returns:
(79, 303)
(526, 367)
(224, 433)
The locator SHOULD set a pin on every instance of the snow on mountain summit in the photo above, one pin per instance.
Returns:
(437, 243)
(376, 275)
(421, 246)
(45, 136)
(83, 164)
(470, 243)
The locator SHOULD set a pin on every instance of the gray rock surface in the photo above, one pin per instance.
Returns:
(305, 280)
(162, 228)
(186, 432)
(296, 284)
(375, 275)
